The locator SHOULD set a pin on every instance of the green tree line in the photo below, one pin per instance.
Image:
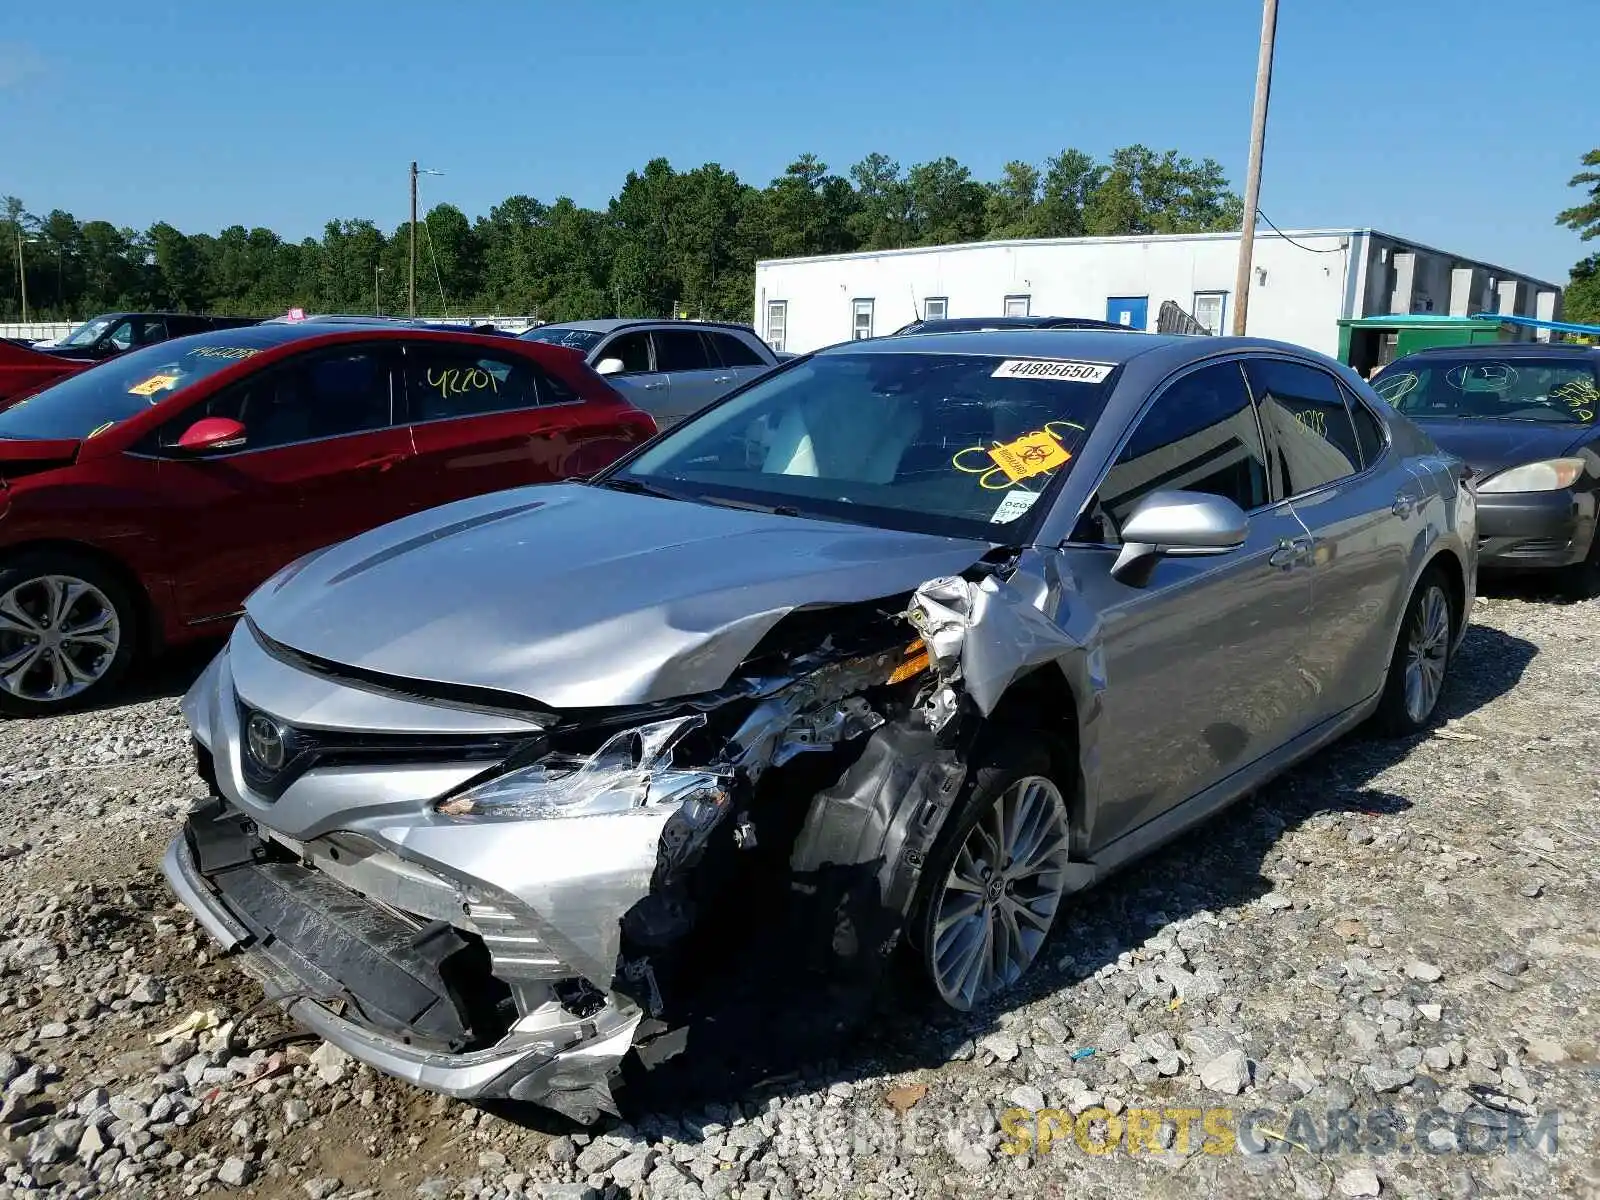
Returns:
(1582, 299)
(669, 241)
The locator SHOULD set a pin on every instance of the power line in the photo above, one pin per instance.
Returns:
(1300, 245)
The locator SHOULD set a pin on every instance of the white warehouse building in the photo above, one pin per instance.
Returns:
(1302, 284)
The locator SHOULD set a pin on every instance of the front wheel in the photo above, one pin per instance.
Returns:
(1421, 659)
(67, 633)
(994, 880)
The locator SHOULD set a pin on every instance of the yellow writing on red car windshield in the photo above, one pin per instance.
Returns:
(453, 381)
(99, 429)
(223, 352)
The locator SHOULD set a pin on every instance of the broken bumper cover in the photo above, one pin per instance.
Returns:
(571, 1074)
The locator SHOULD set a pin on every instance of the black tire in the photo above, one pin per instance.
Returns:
(23, 580)
(1396, 717)
(1002, 764)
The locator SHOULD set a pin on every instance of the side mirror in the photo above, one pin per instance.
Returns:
(210, 434)
(1180, 524)
(609, 366)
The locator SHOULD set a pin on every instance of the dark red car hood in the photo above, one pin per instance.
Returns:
(23, 371)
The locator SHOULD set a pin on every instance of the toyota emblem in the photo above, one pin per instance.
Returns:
(265, 740)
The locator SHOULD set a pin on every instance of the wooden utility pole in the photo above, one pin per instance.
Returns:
(22, 275)
(1252, 182)
(411, 282)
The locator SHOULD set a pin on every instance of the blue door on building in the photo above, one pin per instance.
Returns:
(1133, 311)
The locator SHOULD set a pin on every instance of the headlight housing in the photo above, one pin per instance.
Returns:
(631, 770)
(1549, 476)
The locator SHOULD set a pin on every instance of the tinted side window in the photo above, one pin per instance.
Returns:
(461, 381)
(680, 350)
(632, 348)
(1199, 436)
(734, 352)
(329, 395)
(148, 330)
(1369, 431)
(1303, 411)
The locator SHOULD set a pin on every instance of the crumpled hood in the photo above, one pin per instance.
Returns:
(1495, 445)
(575, 596)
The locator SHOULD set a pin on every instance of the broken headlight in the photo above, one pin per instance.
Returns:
(631, 770)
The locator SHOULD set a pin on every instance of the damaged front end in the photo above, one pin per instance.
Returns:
(706, 880)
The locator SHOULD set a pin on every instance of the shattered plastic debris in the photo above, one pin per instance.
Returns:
(633, 769)
(980, 637)
(1082, 1053)
(196, 1022)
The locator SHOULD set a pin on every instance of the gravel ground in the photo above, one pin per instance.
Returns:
(1394, 933)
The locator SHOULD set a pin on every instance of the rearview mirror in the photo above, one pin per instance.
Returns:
(1180, 524)
(210, 434)
(609, 366)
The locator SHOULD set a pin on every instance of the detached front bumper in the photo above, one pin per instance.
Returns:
(1534, 530)
(569, 1067)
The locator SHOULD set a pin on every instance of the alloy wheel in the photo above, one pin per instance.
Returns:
(59, 636)
(1427, 653)
(1001, 894)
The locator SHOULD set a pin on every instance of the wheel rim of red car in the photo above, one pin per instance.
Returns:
(58, 637)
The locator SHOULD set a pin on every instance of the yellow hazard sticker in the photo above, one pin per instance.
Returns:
(156, 383)
(1007, 463)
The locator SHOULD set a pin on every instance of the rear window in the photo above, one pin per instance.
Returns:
(1515, 387)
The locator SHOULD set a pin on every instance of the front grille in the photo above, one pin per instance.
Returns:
(304, 749)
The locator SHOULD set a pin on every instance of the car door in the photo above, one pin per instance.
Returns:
(1201, 665)
(694, 377)
(317, 466)
(739, 358)
(636, 376)
(483, 420)
(1362, 510)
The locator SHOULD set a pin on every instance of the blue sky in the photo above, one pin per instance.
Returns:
(1457, 124)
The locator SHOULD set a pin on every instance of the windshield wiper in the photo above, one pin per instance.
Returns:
(638, 487)
(777, 510)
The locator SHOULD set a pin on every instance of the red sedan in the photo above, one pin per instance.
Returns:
(142, 500)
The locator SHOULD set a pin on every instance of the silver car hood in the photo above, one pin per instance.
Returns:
(574, 596)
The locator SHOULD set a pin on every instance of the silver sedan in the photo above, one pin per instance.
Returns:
(887, 654)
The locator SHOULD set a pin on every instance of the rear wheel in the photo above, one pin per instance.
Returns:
(995, 880)
(67, 633)
(1421, 659)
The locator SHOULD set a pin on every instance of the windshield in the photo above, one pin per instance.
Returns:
(962, 445)
(1514, 388)
(86, 333)
(89, 403)
(562, 335)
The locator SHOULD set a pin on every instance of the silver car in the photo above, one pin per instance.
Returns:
(669, 369)
(884, 656)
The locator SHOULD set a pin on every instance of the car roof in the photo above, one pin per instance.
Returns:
(1098, 345)
(610, 324)
(1501, 349)
(966, 324)
(269, 335)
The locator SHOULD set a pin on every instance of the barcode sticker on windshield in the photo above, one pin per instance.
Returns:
(1016, 502)
(1052, 368)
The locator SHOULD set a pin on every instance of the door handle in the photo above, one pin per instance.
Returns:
(1403, 505)
(654, 387)
(381, 463)
(1290, 551)
(722, 379)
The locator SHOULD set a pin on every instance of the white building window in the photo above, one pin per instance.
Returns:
(1017, 306)
(1211, 309)
(861, 324)
(934, 308)
(777, 323)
